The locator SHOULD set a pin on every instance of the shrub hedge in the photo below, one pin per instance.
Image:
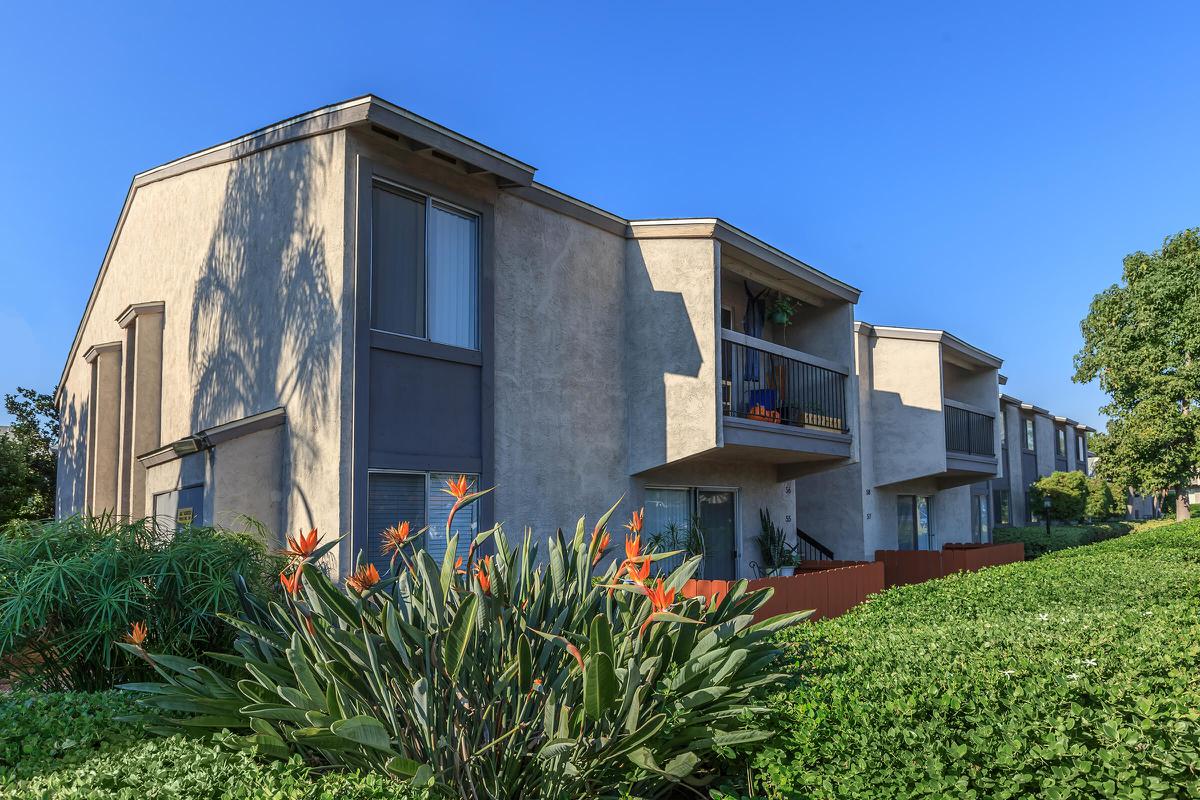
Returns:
(71, 589)
(68, 746)
(1071, 676)
(1061, 537)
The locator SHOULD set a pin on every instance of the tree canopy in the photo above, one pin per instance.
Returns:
(28, 460)
(1141, 341)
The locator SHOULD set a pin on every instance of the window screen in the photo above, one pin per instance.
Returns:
(392, 498)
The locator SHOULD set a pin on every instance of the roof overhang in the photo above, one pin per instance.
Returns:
(747, 248)
(954, 350)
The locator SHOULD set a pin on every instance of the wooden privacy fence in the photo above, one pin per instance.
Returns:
(830, 592)
(903, 567)
(831, 588)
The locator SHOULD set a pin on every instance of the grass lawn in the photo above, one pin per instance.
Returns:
(1076, 675)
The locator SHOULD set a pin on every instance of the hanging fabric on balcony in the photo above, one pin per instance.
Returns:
(752, 324)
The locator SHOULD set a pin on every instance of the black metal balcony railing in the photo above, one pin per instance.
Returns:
(766, 386)
(969, 432)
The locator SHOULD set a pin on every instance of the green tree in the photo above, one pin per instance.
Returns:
(28, 459)
(1067, 492)
(1104, 500)
(1141, 340)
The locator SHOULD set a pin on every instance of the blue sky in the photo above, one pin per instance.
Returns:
(978, 168)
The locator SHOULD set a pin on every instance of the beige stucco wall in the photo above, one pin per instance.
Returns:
(248, 257)
(900, 438)
(560, 388)
(671, 355)
(905, 409)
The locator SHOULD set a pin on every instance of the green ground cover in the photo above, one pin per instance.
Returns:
(1075, 675)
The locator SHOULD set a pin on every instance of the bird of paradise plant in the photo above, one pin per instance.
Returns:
(520, 676)
(302, 545)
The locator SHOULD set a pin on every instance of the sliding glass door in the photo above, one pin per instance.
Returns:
(696, 521)
(914, 522)
(980, 519)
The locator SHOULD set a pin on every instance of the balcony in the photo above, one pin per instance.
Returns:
(969, 432)
(769, 385)
(970, 440)
(788, 404)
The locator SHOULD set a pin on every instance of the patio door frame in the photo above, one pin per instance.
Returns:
(694, 504)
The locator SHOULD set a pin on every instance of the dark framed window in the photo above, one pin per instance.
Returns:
(1032, 509)
(1060, 443)
(1030, 439)
(1002, 500)
(424, 268)
(1080, 450)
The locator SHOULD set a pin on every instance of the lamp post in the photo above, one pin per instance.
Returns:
(1046, 514)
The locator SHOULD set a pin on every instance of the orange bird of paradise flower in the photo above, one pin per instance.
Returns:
(458, 488)
(661, 599)
(395, 537)
(635, 521)
(290, 583)
(481, 572)
(604, 540)
(363, 578)
(302, 545)
(638, 570)
(458, 566)
(137, 634)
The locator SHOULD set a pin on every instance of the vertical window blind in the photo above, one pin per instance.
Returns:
(417, 498)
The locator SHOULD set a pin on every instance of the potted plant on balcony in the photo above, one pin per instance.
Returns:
(782, 310)
(779, 555)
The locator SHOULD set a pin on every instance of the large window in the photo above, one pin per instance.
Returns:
(1030, 442)
(914, 518)
(416, 498)
(424, 268)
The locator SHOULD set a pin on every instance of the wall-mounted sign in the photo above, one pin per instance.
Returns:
(184, 516)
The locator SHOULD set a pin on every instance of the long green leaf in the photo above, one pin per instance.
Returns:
(364, 730)
(458, 637)
(599, 685)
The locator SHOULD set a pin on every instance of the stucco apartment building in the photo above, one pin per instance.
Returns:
(317, 323)
(927, 443)
(1034, 443)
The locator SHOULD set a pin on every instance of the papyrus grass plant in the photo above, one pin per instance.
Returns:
(504, 677)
